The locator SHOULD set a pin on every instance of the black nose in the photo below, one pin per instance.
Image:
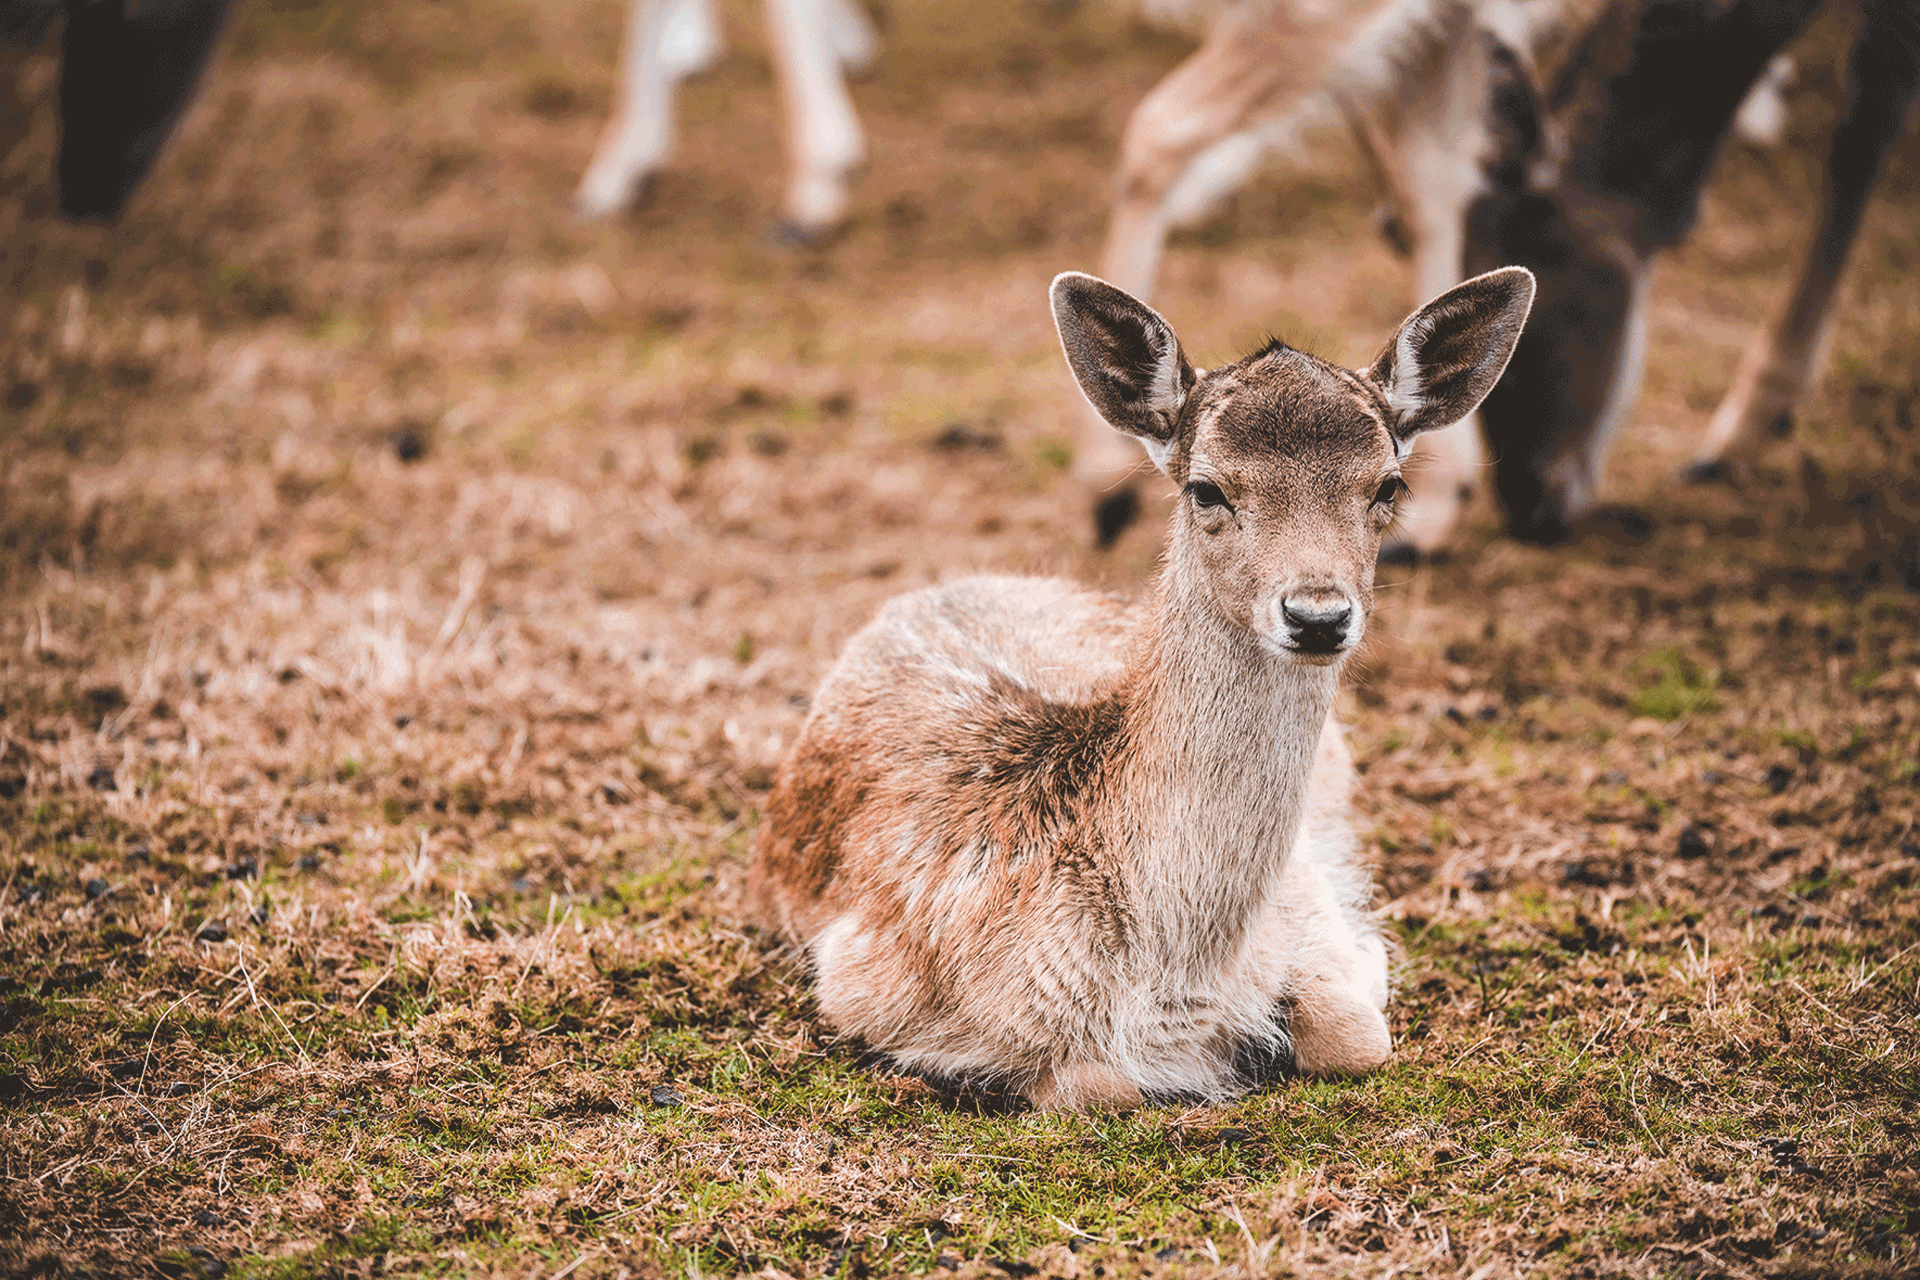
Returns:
(1316, 628)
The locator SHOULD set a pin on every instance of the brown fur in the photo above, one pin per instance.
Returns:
(1097, 852)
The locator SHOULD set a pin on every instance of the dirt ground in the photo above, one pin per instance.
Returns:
(406, 592)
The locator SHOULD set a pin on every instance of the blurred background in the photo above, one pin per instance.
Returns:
(393, 566)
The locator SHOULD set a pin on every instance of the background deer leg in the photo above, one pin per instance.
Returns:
(666, 41)
(812, 41)
(1439, 176)
(1194, 139)
(1783, 358)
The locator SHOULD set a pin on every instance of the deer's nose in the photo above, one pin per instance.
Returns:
(1316, 626)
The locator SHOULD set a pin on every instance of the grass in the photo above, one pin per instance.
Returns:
(406, 593)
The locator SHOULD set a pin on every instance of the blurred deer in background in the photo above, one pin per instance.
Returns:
(1095, 853)
(1586, 180)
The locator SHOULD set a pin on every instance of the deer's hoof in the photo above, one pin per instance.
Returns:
(1706, 471)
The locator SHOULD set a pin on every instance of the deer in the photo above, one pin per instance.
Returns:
(1094, 852)
(1571, 136)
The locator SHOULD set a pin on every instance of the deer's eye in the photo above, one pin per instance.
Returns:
(1207, 494)
(1390, 488)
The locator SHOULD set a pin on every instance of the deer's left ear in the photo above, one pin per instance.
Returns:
(1449, 353)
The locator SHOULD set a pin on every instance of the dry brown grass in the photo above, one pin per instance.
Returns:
(373, 827)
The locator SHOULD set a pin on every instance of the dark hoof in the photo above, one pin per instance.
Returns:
(1706, 471)
(1627, 526)
(1112, 514)
(1394, 230)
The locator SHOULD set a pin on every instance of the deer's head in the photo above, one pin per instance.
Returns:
(1289, 466)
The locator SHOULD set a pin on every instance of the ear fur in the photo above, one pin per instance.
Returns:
(1449, 353)
(1126, 359)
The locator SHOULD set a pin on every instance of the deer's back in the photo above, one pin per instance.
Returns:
(969, 715)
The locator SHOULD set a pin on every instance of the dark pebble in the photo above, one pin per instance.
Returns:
(125, 1069)
(98, 888)
(960, 437)
(101, 779)
(1168, 1254)
(401, 722)
(150, 1128)
(205, 1218)
(1779, 778)
(663, 1096)
(179, 1089)
(1235, 1137)
(1845, 646)
(1581, 871)
(408, 445)
(308, 862)
(212, 931)
(245, 869)
(1693, 843)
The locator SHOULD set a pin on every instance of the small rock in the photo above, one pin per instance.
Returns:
(1693, 843)
(205, 1218)
(211, 931)
(101, 779)
(140, 853)
(1580, 871)
(1779, 778)
(308, 862)
(179, 1089)
(664, 1096)
(1234, 1137)
(961, 437)
(149, 1128)
(408, 444)
(1169, 1253)
(98, 888)
(245, 869)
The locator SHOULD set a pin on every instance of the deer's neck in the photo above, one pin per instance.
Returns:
(1223, 734)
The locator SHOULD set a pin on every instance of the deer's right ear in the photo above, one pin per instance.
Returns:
(1449, 353)
(1126, 359)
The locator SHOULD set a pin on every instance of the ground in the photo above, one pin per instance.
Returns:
(406, 592)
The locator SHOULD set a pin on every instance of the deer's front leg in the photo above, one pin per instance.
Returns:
(666, 41)
(812, 41)
(1783, 359)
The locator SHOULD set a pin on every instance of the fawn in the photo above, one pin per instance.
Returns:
(1095, 853)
